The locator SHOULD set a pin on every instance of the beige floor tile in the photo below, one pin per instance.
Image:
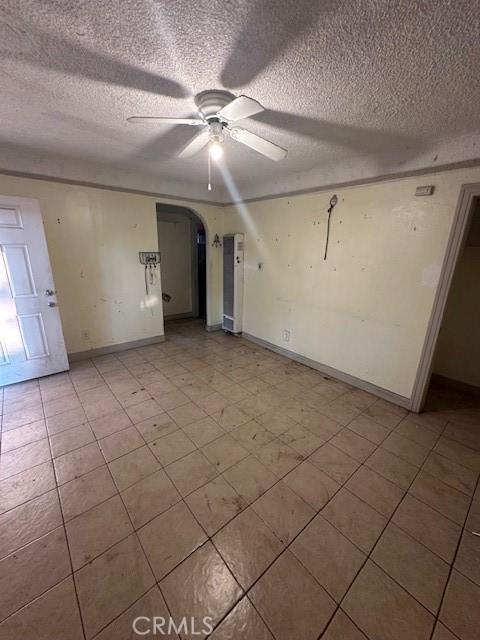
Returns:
(201, 586)
(252, 435)
(379, 493)
(442, 633)
(149, 497)
(29, 572)
(283, 511)
(342, 628)
(301, 440)
(352, 444)
(387, 416)
(369, 429)
(332, 559)
(311, 484)
(156, 427)
(460, 611)
(451, 473)
(418, 570)
(54, 615)
(276, 422)
(171, 400)
(382, 609)
(468, 557)
(149, 609)
(215, 504)
(417, 433)
(248, 546)
(203, 431)
(361, 524)
(406, 449)
(78, 462)
(172, 447)
(224, 452)
(59, 405)
(120, 443)
(143, 410)
(250, 478)
(170, 538)
(21, 436)
(213, 403)
(191, 472)
(242, 622)
(335, 463)
(85, 492)
(459, 453)
(66, 420)
(111, 583)
(278, 457)
(18, 460)
(26, 485)
(186, 414)
(393, 468)
(110, 423)
(451, 503)
(96, 530)
(29, 521)
(21, 417)
(231, 417)
(428, 526)
(132, 467)
(291, 601)
(71, 439)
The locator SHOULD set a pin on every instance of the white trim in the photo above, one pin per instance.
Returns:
(114, 348)
(456, 240)
(401, 401)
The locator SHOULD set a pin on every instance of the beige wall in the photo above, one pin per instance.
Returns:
(93, 237)
(365, 310)
(458, 349)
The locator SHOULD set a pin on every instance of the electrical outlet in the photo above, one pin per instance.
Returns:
(86, 334)
(286, 335)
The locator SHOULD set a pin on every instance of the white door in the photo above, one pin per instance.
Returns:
(31, 338)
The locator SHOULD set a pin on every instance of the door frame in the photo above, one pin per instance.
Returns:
(456, 241)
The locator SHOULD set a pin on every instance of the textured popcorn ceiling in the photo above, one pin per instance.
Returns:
(353, 89)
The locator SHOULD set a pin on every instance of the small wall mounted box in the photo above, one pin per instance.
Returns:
(425, 191)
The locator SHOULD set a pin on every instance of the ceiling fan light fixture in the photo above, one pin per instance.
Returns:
(215, 150)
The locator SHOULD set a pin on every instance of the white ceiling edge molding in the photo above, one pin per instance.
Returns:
(357, 169)
(36, 163)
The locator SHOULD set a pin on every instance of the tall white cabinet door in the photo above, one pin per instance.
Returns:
(31, 337)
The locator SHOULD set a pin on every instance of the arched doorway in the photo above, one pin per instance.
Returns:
(182, 242)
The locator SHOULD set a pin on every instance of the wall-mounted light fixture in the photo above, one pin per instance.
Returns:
(216, 241)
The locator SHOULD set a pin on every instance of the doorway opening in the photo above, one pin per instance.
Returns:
(449, 375)
(182, 242)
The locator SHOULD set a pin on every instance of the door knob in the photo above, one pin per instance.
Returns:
(50, 292)
(52, 304)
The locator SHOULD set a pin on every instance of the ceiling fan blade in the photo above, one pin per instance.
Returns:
(241, 107)
(259, 144)
(195, 122)
(197, 143)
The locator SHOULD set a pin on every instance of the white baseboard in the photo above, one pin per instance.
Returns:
(401, 401)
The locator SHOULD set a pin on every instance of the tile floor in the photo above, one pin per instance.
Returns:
(206, 476)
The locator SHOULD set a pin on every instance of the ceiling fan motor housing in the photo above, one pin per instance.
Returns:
(209, 103)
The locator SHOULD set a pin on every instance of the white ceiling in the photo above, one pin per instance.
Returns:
(353, 89)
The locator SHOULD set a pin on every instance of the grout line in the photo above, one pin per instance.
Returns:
(452, 564)
(210, 538)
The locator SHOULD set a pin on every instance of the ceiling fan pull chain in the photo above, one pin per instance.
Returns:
(209, 173)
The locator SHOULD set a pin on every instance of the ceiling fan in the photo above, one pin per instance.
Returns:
(217, 117)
